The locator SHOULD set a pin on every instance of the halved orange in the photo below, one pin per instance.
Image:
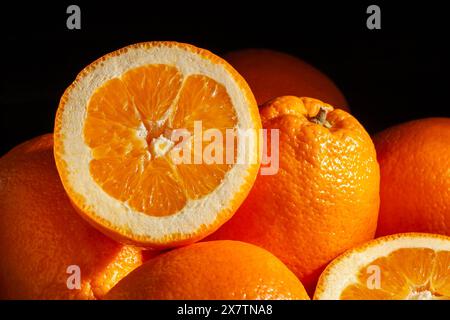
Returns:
(411, 266)
(114, 144)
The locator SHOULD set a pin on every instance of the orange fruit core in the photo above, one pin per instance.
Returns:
(409, 273)
(128, 127)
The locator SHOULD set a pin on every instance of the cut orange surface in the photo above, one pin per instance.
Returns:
(411, 266)
(117, 156)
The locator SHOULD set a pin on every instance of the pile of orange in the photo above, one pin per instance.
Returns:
(164, 180)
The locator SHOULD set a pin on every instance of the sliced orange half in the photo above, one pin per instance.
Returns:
(114, 145)
(409, 266)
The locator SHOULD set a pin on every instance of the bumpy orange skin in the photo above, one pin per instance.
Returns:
(41, 234)
(324, 198)
(414, 160)
(272, 74)
(211, 270)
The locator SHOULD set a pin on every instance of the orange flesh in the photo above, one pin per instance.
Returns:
(409, 273)
(126, 119)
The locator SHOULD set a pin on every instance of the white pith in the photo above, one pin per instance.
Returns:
(344, 272)
(161, 145)
(421, 295)
(77, 155)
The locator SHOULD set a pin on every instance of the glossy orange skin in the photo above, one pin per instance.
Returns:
(324, 198)
(41, 234)
(272, 74)
(213, 270)
(414, 160)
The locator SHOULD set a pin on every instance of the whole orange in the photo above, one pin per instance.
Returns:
(211, 270)
(45, 245)
(323, 200)
(272, 74)
(414, 161)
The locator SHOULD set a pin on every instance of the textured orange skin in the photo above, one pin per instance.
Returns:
(324, 198)
(41, 234)
(414, 161)
(211, 270)
(272, 74)
(124, 236)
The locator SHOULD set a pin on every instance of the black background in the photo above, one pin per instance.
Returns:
(281, 309)
(388, 76)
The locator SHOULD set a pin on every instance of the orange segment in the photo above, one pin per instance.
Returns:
(408, 266)
(360, 290)
(158, 191)
(113, 103)
(203, 99)
(416, 265)
(115, 145)
(118, 182)
(199, 180)
(440, 279)
(153, 89)
(402, 272)
(108, 139)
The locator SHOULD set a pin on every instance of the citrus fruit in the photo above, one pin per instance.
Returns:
(44, 243)
(411, 266)
(116, 143)
(414, 160)
(211, 270)
(323, 199)
(272, 74)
